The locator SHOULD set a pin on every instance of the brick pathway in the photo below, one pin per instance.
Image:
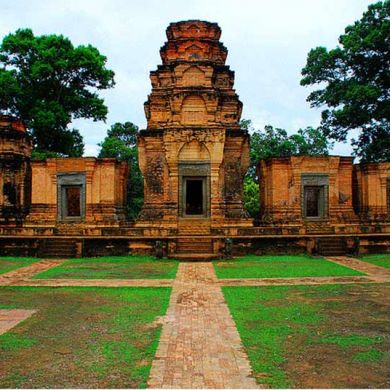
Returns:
(374, 271)
(199, 346)
(11, 317)
(94, 282)
(300, 281)
(24, 273)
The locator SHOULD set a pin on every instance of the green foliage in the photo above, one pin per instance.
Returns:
(275, 142)
(121, 143)
(289, 266)
(355, 80)
(47, 82)
(251, 197)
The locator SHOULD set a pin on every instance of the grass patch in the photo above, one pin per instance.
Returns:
(115, 267)
(383, 260)
(280, 267)
(345, 341)
(313, 336)
(83, 337)
(373, 355)
(12, 342)
(10, 263)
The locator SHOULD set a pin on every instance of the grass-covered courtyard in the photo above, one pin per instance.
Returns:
(315, 336)
(289, 266)
(114, 267)
(81, 337)
(298, 336)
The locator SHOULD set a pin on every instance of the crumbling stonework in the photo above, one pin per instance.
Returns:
(372, 191)
(193, 133)
(78, 191)
(15, 186)
(284, 182)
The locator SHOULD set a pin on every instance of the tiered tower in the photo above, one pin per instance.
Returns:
(15, 171)
(193, 154)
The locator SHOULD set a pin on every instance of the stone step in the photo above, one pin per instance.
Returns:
(195, 256)
(189, 245)
(58, 248)
(194, 227)
(331, 246)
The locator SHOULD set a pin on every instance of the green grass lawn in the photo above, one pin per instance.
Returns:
(383, 260)
(280, 267)
(328, 336)
(10, 263)
(130, 267)
(81, 337)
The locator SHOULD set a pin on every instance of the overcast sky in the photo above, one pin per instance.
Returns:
(268, 42)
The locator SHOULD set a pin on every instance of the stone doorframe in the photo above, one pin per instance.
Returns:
(322, 182)
(65, 180)
(194, 170)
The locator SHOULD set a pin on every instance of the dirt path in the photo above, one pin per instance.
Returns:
(199, 346)
(94, 282)
(300, 281)
(374, 271)
(11, 317)
(24, 273)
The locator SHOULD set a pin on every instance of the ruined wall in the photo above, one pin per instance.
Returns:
(372, 191)
(282, 182)
(103, 189)
(15, 152)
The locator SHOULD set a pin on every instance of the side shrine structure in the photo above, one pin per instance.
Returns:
(193, 156)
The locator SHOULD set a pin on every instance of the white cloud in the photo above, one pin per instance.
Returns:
(268, 42)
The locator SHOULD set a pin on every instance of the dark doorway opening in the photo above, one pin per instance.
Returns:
(194, 197)
(73, 201)
(314, 199)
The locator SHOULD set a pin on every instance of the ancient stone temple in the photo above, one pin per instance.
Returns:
(193, 154)
(15, 174)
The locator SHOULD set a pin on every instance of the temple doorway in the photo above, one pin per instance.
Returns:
(314, 202)
(71, 197)
(194, 197)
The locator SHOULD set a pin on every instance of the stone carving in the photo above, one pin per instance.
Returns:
(154, 175)
(194, 124)
(233, 180)
(158, 249)
(343, 198)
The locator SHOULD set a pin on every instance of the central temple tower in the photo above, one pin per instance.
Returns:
(193, 154)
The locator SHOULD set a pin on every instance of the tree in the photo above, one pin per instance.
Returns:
(251, 198)
(121, 143)
(275, 142)
(47, 82)
(355, 79)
